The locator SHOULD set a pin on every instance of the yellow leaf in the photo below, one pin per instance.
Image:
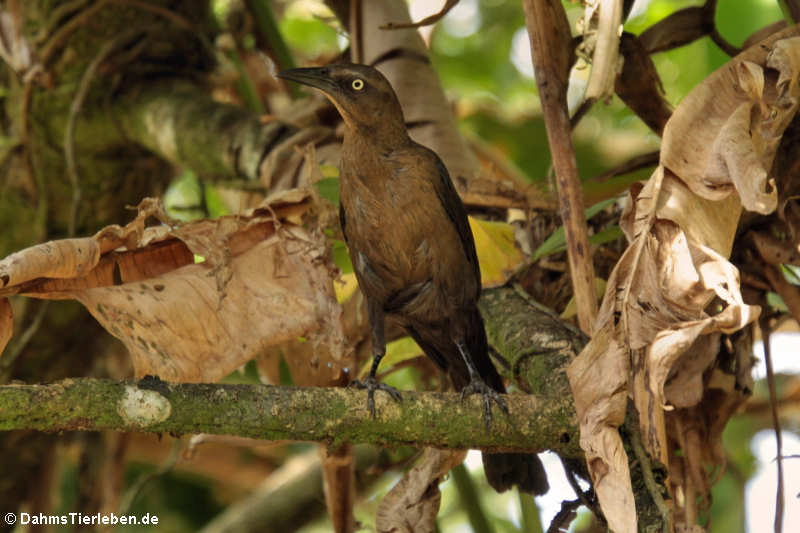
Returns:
(397, 351)
(345, 286)
(497, 254)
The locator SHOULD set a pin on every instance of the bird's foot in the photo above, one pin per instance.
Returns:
(489, 395)
(372, 384)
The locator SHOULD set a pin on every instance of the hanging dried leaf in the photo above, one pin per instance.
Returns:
(264, 280)
(673, 294)
(724, 135)
(412, 504)
(599, 381)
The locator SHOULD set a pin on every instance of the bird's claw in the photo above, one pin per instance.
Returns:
(488, 395)
(372, 384)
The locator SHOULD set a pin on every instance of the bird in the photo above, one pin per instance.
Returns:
(412, 249)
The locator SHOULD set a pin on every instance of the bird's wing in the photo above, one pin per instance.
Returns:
(342, 221)
(451, 202)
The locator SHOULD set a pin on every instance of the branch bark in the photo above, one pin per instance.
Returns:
(551, 50)
(333, 416)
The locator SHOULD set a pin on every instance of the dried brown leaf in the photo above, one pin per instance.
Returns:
(600, 406)
(412, 504)
(263, 281)
(67, 258)
(724, 135)
(673, 294)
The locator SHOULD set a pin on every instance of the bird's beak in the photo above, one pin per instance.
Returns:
(315, 77)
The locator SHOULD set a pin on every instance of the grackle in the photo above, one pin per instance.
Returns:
(412, 249)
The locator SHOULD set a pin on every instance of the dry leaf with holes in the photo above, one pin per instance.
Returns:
(412, 504)
(673, 294)
(264, 280)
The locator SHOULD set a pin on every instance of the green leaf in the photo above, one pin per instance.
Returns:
(609, 234)
(791, 273)
(328, 188)
(397, 351)
(342, 257)
(215, 205)
(776, 302)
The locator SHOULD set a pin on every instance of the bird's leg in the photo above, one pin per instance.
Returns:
(478, 386)
(376, 319)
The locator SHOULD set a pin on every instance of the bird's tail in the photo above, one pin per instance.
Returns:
(503, 470)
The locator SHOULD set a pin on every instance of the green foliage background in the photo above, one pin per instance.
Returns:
(498, 106)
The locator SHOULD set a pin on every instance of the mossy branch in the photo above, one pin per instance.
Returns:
(329, 415)
(181, 123)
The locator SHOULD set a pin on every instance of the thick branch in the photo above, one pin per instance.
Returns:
(181, 123)
(330, 415)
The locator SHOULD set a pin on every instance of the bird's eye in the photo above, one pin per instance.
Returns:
(358, 84)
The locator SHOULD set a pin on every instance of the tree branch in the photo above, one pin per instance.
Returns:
(330, 415)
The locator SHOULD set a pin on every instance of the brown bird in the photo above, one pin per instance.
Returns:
(412, 249)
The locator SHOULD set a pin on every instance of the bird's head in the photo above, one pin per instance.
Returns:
(363, 96)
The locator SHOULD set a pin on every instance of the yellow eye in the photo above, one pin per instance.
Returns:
(358, 84)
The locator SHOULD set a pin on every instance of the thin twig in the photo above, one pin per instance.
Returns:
(723, 44)
(168, 14)
(633, 164)
(649, 480)
(356, 35)
(56, 17)
(581, 112)
(56, 42)
(130, 495)
(563, 518)
(15, 348)
(766, 333)
(586, 498)
(427, 21)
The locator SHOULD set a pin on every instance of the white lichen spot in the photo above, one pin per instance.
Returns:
(142, 407)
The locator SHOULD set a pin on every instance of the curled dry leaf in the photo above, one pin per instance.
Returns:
(412, 504)
(673, 294)
(723, 137)
(263, 280)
